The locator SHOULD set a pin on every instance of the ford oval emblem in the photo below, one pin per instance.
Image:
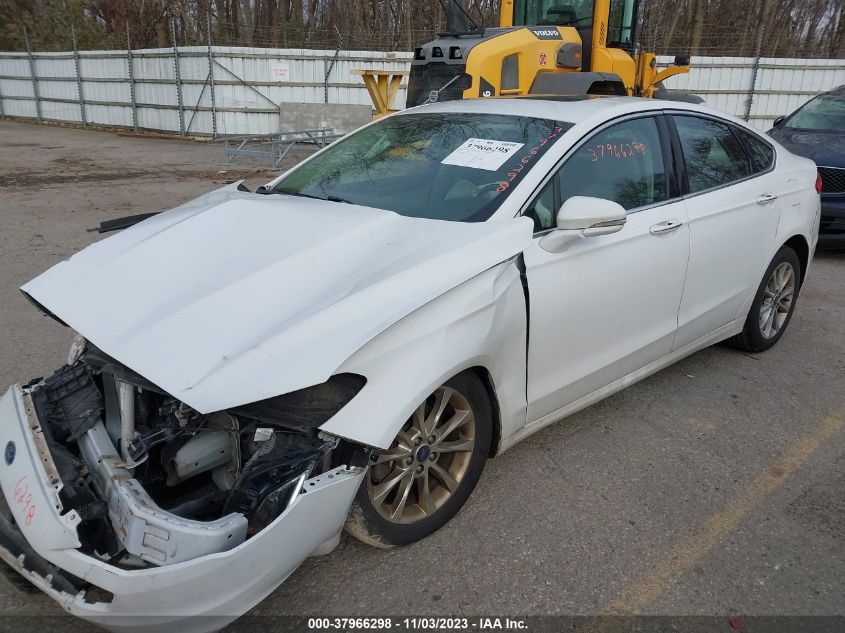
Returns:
(10, 453)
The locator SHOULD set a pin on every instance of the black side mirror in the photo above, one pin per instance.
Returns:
(681, 60)
(778, 121)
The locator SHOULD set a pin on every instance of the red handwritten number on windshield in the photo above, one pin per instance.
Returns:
(517, 169)
(23, 497)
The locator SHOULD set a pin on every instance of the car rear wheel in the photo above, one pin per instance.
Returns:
(424, 478)
(773, 304)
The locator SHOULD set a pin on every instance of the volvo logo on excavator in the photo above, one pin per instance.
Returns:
(547, 34)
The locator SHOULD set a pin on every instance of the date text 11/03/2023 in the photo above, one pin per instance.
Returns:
(480, 624)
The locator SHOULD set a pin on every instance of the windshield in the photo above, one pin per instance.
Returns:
(546, 12)
(826, 112)
(447, 166)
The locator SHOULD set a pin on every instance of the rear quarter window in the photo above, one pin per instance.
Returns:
(761, 153)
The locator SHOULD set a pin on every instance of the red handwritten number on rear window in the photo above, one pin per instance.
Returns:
(23, 497)
(613, 150)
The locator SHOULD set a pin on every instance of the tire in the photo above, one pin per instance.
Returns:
(413, 465)
(758, 334)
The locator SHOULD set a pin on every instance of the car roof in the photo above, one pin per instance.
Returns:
(573, 109)
(583, 111)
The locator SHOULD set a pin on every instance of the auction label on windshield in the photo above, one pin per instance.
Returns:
(482, 153)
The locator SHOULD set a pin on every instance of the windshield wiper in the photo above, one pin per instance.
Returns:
(292, 192)
(287, 192)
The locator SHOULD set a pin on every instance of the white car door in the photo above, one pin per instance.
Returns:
(733, 220)
(608, 305)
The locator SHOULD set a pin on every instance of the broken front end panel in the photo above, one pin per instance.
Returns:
(148, 481)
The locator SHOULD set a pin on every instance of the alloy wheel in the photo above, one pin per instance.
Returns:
(777, 300)
(427, 461)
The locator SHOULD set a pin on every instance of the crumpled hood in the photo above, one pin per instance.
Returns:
(823, 148)
(235, 297)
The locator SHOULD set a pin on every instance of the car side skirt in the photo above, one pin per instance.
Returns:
(724, 332)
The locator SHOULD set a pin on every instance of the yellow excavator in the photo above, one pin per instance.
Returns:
(560, 47)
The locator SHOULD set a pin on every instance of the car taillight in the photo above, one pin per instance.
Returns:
(818, 184)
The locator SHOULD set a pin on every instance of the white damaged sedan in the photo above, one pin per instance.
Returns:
(350, 343)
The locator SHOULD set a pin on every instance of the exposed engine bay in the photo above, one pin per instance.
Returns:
(155, 482)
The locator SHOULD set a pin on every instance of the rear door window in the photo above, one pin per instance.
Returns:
(713, 154)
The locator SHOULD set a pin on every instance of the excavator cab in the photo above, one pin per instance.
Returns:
(579, 14)
(540, 47)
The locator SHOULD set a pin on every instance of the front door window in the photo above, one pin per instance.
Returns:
(622, 163)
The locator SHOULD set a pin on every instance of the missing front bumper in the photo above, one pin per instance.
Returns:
(211, 590)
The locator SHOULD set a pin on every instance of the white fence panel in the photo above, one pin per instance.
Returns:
(16, 95)
(253, 85)
(779, 85)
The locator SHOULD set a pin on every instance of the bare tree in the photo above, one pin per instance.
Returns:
(806, 28)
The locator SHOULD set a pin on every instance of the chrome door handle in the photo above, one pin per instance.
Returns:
(766, 198)
(665, 227)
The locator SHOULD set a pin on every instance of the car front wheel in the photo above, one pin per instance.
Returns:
(421, 481)
(773, 304)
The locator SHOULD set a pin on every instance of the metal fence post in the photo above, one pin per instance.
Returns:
(211, 80)
(33, 76)
(755, 67)
(129, 65)
(327, 67)
(80, 94)
(326, 72)
(178, 78)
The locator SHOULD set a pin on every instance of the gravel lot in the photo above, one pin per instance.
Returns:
(716, 487)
